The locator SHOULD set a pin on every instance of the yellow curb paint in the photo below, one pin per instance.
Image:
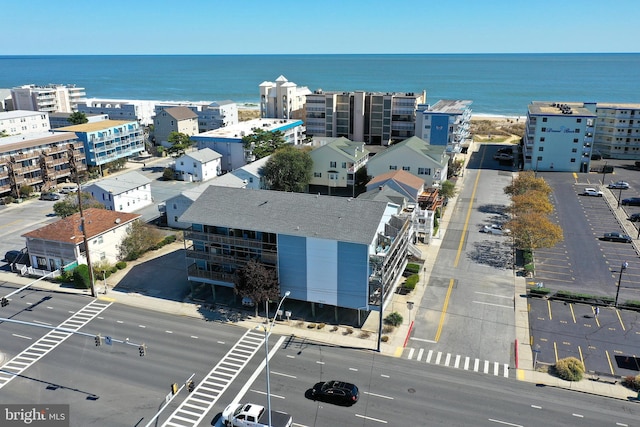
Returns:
(398, 352)
(520, 374)
(106, 299)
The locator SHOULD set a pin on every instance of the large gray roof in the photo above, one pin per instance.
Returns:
(295, 214)
(121, 183)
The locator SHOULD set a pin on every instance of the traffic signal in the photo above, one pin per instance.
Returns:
(190, 386)
(4, 302)
(142, 350)
(98, 340)
(174, 388)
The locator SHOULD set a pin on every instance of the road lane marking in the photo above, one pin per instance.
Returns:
(378, 395)
(438, 357)
(447, 359)
(555, 350)
(420, 353)
(429, 356)
(119, 321)
(42, 323)
(622, 424)
(536, 407)
(290, 356)
(423, 340)
(549, 308)
(353, 369)
(620, 319)
(578, 415)
(22, 336)
(319, 362)
(573, 314)
(384, 376)
(194, 337)
(505, 423)
(371, 419)
(610, 364)
(495, 295)
(494, 305)
(581, 358)
(169, 332)
(456, 364)
(476, 365)
(496, 368)
(444, 308)
(486, 367)
(466, 363)
(411, 350)
(265, 393)
(141, 326)
(282, 374)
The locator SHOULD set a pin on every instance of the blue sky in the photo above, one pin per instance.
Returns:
(32, 27)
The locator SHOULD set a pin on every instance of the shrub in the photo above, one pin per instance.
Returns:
(527, 256)
(413, 268)
(333, 329)
(393, 319)
(300, 324)
(540, 291)
(364, 335)
(411, 282)
(321, 325)
(170, 239)
(81, 277)
(569, 369)
(384, 338)
(168, 174)
(632, 382)
(528, 267)
(120, 265)
(311, 326)
(114, 269)
(348, 331)
(26, 190)
(387, 329)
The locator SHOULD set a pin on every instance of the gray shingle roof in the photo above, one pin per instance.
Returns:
(121, 183)
(295, 214)
(204, 155)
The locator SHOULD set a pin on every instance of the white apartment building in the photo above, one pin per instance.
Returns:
(282, 99)
(120, 109)
(377, 118)
(127, 192)
(50, 98)
(447, 123)
(21, 122)
(559, 136)
(617, 133)
(200, 165)
(211, 115)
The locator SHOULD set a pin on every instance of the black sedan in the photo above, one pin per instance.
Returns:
(631, 201)
(339, 392)
(617, 237)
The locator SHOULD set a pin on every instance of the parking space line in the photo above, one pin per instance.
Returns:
(596, 318)
(610, 364)
(581, 357)
(573, 314)
(555, 350)
(620, 319)
(549, 308)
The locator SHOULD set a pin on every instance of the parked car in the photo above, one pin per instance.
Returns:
(67, 189)
(247, 302)
(617, 237)
(619, 185)
(634, 217)
(495, 229)
(505, 150)
(631, 201)
(592, 192)
(503, 157)
(49, 196)
(12, 256)
(339, 392)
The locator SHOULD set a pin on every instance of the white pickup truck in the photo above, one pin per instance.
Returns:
(252, 415)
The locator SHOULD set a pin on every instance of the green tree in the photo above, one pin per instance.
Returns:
(77, 118)
(26, 190)
(180, 142)
(447, 189)
(288, 169)
(262, 143)
(361, 181)
(69, 205)
(258, 282)
(168, 174)
(140, 239)
(81, 277)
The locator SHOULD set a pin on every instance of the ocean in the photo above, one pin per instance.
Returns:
(498, 84)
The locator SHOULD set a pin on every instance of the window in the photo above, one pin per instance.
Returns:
(175, 218)
(406, 168)
(544, 119)
(575, 140)
(573, 160)
(393, 167)
(344, 165)
(317, 174)
(542, 139)
(332, 164)
(424, 171)
(540, 148)
(543, 130)
(574, 150)
(577, 131)
(578, 120)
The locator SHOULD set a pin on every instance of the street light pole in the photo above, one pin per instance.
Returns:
(266, 350)
(623, 267)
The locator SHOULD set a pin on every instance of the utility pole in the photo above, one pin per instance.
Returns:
(74, 170)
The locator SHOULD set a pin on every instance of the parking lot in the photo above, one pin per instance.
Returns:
(584, 263)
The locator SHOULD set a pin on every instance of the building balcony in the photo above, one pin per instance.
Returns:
(222, 240)
(214, 276)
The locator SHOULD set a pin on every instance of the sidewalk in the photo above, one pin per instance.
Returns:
(339, 335)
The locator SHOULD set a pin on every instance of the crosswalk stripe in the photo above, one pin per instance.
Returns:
(457, 362)
(429, 355)
(506, 370)
(447, 359)
(438, 356)
(476, 364)
(411, 353)
(466, 363)
(486, 366)
(496, 368)
(420, 352)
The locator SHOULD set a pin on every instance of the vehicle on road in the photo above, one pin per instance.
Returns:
(619, 185)
(617, 237)
(631, 201)
(252, 415)
(49, 196)
(495, 229)
(592, 192)
(340, 392)
(634, 217)
(12, 256)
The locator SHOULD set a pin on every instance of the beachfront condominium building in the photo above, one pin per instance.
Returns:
(617, 134)
(60, 120)
(174, 119)
(120, 109)
(38, 160)
(282, 99)
(559, 136)
(211, 115)
(376, 118)
(50, 98)
(228, 140)
(447, 122)
(23, 122)
(108, 140)
(334, 251)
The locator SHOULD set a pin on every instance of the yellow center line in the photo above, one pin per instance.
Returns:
(457, 259)
(620, 319)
